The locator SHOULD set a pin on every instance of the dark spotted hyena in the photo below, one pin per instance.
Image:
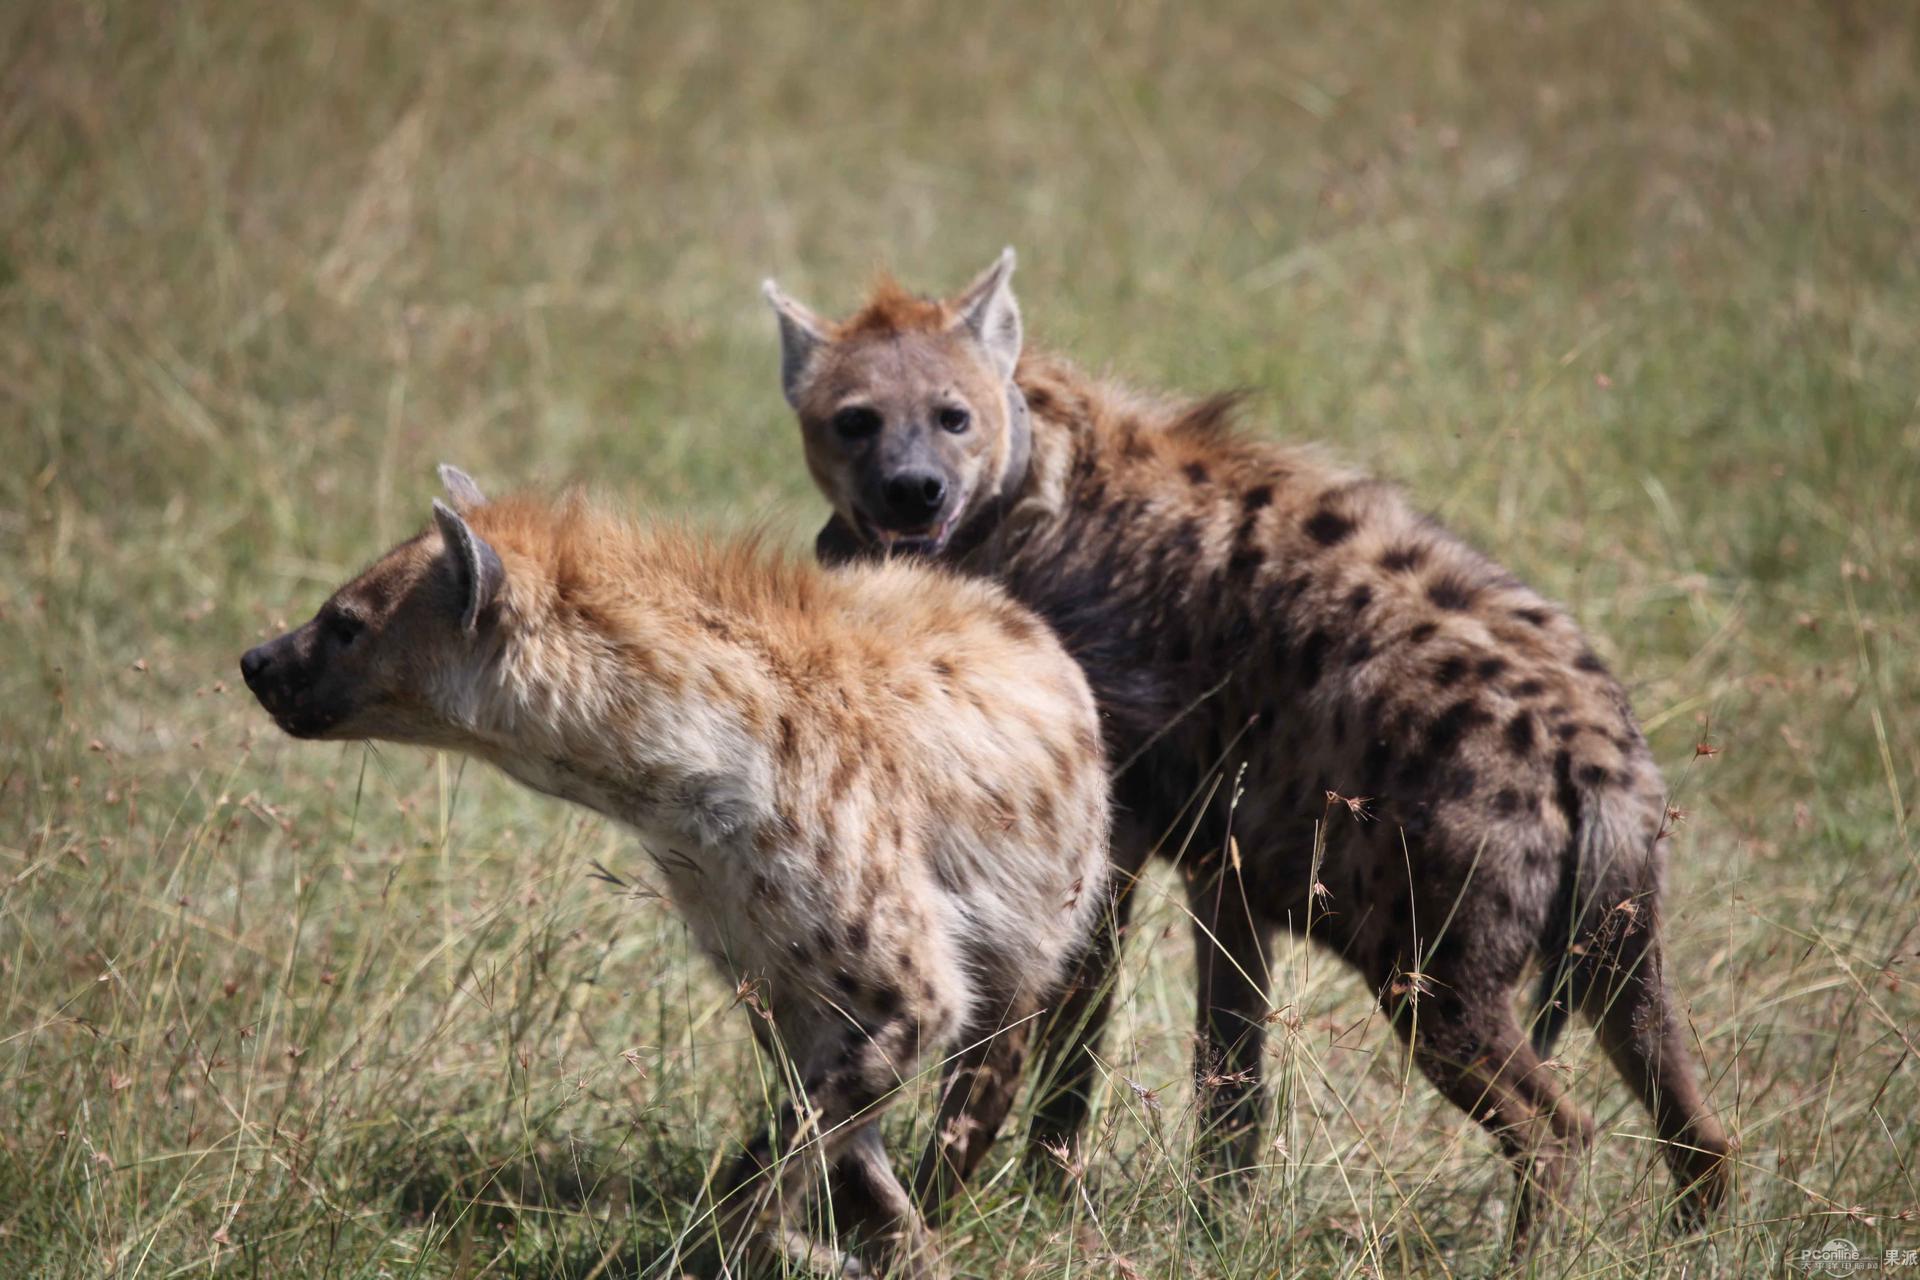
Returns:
(1241, 605)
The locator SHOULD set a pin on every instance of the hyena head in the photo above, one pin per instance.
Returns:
(382, 655)
(911, 420)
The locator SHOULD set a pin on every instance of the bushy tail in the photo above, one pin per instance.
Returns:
(1607, 863)
(1550, 1007)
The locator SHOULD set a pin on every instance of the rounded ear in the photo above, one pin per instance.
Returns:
(460, 487)
(801, 334)
(476, 568)
(988, 308)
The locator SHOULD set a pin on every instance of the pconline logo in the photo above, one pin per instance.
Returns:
(1843, 1258)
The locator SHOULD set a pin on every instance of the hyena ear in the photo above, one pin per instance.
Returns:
(987, 307)
(460, 487)
(801, 334)
(477, 571)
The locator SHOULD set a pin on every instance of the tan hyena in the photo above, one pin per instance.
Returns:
(1239, 604)
(877, 797)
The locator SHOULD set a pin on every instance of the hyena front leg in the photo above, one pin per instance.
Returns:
(757, 1183)
(846, 1089)
(975, 1097)
(1231, 948)
(898, 1232)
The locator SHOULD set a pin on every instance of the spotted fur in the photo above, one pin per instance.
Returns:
(1247, 606)
(878, 797)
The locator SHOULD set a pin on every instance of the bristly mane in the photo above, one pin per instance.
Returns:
(589, 553)
(892, 308)
(1214, 417)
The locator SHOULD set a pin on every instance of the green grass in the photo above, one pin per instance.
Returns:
(1630, 294)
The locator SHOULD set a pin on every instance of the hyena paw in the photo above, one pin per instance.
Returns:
(1705, 1180)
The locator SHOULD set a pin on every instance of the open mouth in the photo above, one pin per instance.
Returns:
(928, 540)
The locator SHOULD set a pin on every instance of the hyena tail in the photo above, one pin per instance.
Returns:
(1561, 986)
(1549, 1017)
(1605, 959)
(1606, 863)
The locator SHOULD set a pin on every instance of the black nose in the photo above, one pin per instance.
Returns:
(254, 663)
(914, 497)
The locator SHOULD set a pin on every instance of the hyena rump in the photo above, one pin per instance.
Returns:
(1239, 604)
(878, 797)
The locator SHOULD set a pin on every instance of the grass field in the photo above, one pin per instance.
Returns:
(1628, 294)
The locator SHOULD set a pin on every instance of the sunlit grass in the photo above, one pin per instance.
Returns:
(1631, 296)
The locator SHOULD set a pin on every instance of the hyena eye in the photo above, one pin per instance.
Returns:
(953, 418)
(344, 630)
(856, 424)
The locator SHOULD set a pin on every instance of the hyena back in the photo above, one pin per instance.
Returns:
(1241, 605)
(878, 798)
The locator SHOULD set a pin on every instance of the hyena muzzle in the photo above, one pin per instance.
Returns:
(878, 798)
(1242, 606)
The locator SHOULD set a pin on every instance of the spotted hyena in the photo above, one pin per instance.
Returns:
(878, 798)
(1245, 606)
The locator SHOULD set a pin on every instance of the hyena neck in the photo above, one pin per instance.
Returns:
(1057, 415)
(1019, 446)
(587, 716)
(1014, 476)
(1029, 488)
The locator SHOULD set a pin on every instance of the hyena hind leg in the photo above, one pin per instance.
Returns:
(1475, 1054)
(1065, 1067)
(1624, 991)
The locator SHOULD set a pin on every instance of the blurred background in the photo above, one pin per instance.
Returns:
(1630, 295)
